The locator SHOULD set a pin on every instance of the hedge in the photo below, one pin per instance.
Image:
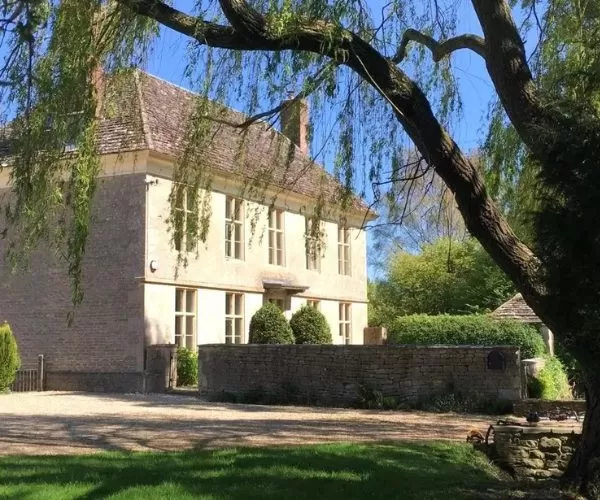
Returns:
(465, 330)
(310, 326)
(9, 357)
(187, 367)
(269, 326)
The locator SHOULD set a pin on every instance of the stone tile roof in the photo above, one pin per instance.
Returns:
(143, 112)
(154, 114)
(516, 309)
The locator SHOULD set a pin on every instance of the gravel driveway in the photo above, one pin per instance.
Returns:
(62, 423)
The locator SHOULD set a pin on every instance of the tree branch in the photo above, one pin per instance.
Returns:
(439, 50)
(409, 103)
(510, 73)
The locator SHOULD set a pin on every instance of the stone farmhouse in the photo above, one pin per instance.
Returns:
(136, 292)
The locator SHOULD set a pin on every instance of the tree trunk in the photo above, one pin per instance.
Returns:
(583, 473)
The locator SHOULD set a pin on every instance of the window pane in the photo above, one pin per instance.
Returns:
(190, 325)
(238, 250)
(238, 304)
(228, 303)
(228, 207)
(179, 326)
(238, 210)
(238, 330)
(191, 244)
(190, 342)
(190, 202)
(228, 330)
(190, 296)
(179, 293)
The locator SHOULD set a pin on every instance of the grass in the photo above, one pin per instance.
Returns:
(405, 470)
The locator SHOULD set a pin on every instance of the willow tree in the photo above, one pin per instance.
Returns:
(386, 72)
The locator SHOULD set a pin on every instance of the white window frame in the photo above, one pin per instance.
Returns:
(234, 314)
(186, 311)
(234, 228)
(345, 321)
(184, 208)
(344, 251)
(313, 247)
(276, 237)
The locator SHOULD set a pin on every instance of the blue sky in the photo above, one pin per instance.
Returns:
(169, 55)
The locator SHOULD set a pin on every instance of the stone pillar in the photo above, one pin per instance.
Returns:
(548, 337)
(161, 368)
(375, 335)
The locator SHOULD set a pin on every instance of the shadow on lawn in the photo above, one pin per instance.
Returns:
(326, 471)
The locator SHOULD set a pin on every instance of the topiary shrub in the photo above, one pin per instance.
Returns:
(9, 357)
(310, 326)
(269, 326)
(187, 367)
(466, 330)
(551, 383)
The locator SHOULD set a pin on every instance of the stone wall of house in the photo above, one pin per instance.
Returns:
(103, 348)
(332, 375)
(535, 452)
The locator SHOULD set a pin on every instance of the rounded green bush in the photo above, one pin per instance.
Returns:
(310, 326)
(269, 326)
(9, 357)
(466, 330)
(187, 367)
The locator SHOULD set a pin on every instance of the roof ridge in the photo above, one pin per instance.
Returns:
(143, 114)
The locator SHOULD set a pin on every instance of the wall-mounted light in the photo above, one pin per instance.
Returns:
(153, 265)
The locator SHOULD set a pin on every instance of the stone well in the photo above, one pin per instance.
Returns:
(535, 452)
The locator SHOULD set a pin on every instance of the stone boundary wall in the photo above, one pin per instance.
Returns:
(120, 382)
(535, 452)
(541, 406)
(332, 375)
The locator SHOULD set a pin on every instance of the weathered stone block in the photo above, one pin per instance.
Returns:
(537, 454)
(555, 472)
(550, 444)
(533, 463)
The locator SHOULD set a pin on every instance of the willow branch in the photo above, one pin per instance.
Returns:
(439, 50)
(408, 102)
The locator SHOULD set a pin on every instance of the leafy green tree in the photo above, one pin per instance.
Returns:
(310, 326)
(384, 73)
(446, 277)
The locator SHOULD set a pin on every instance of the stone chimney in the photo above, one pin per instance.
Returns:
(294, 122)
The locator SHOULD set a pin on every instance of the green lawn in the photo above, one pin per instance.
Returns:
(382, 471)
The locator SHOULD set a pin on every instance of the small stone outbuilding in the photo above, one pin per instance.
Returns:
(516, 309)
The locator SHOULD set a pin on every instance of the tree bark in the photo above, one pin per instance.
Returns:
(583, 472)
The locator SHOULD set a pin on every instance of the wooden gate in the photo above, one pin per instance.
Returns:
(30, 379)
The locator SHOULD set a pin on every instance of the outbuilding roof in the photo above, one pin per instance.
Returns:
(516, 309)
